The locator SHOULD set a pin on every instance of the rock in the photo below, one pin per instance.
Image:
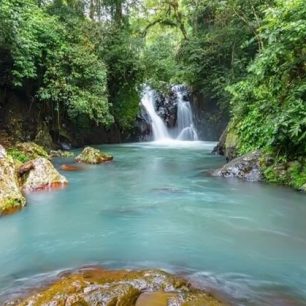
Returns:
(26, 167)
(61, 153)
(303, 188)
(32, 150)
(42, 175)
(93, 156)
(227, 145)
(246, 167)
(11, 198)
(66, 167)
(95, 286)
(43, 136)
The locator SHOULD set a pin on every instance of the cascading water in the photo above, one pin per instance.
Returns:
(160, 131)
(185, 126)
(184, 130)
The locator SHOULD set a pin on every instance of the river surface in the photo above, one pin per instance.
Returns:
(157, 206)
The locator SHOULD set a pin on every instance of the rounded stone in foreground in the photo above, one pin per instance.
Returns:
(96, 286)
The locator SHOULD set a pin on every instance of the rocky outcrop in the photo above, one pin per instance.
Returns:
(227, 145)
(142, 130)
(210, 117)
(246, 167)
(95, 286)
(11, 198)
(43, 137)
(93, 156)
(166, 106)
(32, 150)
(61, 153)
(40, 174)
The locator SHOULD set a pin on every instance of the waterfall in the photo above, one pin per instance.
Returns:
(160, 131)
(185, 126)
(184, 130)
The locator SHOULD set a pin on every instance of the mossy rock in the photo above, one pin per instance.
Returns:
(61, 153)
(93, 156)
(11, 198)
(31, 150)
(228, 143)
(43, 137)
(96, 286)
(231, 143)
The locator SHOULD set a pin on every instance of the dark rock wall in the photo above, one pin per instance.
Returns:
(210, 120)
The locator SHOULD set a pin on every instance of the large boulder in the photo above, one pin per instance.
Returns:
(95, 286)
(93, 156)
(32, 150)
(40, 174)
(11, 198)
(246, 167)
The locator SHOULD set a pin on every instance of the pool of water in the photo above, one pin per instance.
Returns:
(157, 206)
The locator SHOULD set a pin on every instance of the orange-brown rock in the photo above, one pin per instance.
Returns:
(26, 167)
(67, 167)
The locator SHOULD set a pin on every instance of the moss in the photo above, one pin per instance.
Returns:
(62, 154)
(11, 205)
(32, 150)
(18, 155)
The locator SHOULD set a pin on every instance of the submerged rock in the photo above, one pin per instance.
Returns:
(32, 150)
(11, 198)
(40, 174)
(95, 286)
(93, 156)
(246, 167)
(66, 167)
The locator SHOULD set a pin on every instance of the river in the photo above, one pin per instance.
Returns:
(157, 206)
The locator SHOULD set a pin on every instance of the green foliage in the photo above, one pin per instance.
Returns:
(18, 155)
(161, 68)
(222, 41)
(120, 52)
(269, 109)
(282, 172)
(21, 25)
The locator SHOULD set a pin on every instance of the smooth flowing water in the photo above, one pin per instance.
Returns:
(185, 125)
(158, 126)
(157, 206)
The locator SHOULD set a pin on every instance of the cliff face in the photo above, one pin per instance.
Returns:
(210, 118)
(23, 119)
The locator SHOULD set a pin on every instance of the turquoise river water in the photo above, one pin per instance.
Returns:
(157, 206)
